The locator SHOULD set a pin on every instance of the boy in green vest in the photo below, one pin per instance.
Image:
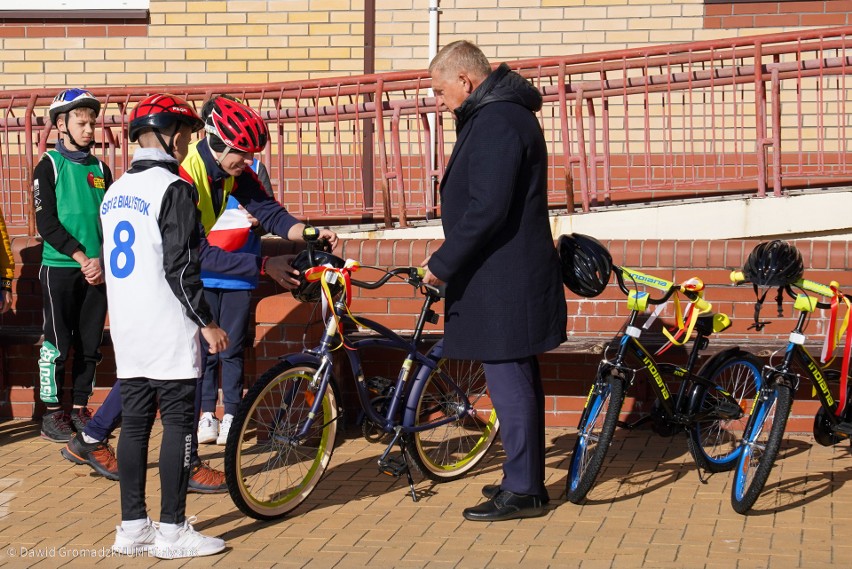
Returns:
(68, 187)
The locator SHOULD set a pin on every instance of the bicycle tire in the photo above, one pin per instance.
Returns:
(716, 444)
(267, 473)
(594, 435)
(448, 452)
(760, 447)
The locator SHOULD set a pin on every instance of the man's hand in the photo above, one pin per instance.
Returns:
(281, 271)
(429, 278)
(215, 337)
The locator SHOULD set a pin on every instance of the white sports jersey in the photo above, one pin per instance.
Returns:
(152, 336)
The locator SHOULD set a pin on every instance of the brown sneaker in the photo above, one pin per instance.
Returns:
(56, 427)
(99, 456)
(206, 480)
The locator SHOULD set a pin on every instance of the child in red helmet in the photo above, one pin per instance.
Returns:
(152, 271)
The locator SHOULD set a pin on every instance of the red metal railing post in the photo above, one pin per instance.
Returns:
(581, 149)
(397, 176)
(566, 140)
(776, 134)
(760, 119)
(383, 155)
(29, 161)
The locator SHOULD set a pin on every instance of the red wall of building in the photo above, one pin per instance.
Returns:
(281, 322)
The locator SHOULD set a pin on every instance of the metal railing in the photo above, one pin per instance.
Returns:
(754, 114)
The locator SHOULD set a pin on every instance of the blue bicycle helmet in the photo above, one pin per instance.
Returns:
(70, 99)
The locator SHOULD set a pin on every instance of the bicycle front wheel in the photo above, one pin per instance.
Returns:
(716, 443)
(760, 448)
(448, 451)
(270, 469)
(594, 436)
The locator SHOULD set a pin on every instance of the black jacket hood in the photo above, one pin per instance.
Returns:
(504, 85)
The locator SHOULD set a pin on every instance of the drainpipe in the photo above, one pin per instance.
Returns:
(434, 10)
(367, 125)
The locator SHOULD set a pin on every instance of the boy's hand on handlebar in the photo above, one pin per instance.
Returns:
(281, 271)
(330, 236)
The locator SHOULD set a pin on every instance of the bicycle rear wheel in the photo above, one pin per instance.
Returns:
(596, 429)
(268, 470)
(447, 452)
(716, 444)
(760, 448)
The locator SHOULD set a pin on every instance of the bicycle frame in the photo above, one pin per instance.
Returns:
(398, 417)
(814, 372)
(677, 407)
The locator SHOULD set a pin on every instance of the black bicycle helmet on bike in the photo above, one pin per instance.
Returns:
(310, 291)
(586, 264)
(774, 263)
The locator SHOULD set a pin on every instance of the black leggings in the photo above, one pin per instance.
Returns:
(139, 398)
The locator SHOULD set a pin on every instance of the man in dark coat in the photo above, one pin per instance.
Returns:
(505, 303)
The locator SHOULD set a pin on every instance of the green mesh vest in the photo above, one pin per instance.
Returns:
(79, 193)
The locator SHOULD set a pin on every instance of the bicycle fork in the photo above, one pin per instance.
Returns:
(397, 466)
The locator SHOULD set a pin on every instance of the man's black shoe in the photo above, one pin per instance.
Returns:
(506, 506)
(56, 427)
(491, 490)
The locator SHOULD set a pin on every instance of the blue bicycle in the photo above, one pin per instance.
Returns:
(771, 409)
(709, 406)
(437, 410)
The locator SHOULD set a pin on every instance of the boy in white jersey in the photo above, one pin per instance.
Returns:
(151, 238)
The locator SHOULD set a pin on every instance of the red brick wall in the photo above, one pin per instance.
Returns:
(281, 321)
(777, 14)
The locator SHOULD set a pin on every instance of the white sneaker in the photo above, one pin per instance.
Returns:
(185, 542)
(224, 429)
(208, 428)
(138, 543)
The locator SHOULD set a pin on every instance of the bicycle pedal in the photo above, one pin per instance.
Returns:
(395, 467)
(843, 428)
(729, 411)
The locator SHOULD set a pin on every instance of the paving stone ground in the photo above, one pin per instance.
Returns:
(648, 509)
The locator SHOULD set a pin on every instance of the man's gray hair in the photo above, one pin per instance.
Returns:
(461, 56)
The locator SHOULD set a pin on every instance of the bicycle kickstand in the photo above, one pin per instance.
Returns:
(396, 466)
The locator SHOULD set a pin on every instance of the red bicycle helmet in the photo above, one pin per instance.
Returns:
(586, 264)
(240, 127)
(774, 263)
(160, 112)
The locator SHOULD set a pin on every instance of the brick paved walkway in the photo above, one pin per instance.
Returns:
(648, 510)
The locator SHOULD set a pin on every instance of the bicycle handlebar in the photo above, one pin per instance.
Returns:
(737, 278)
(690, 287)
(414, 278)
